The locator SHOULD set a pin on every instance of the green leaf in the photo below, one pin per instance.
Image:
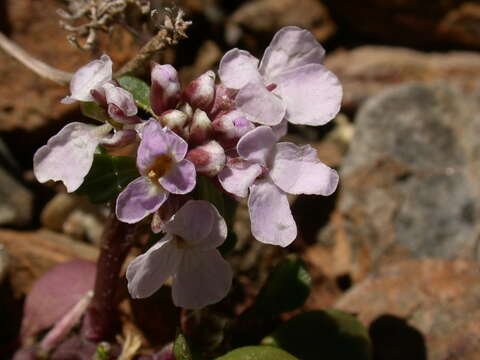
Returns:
(181, 350)
(94, 111)
(107, 177)
(286, 289)
(329, 334)
(257, 353)
(139, 89)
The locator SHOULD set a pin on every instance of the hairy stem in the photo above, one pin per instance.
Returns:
(101, 316)
(37, 66)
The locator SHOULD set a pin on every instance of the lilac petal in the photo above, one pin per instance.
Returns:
(202, 278)
(121, 98)
(68, 156)
(87, 78)
(139, 199)
(119, 139)
(165, 91)
(159, 141)
(270, 216)
(238, 175)
(237, 68)
(200, 224)
(281, 129)
(311, 93)
(149, 271)
(260, 105)
(181, 179)
(257, 145)
(297, 170)
(291, 47)
(119, 116)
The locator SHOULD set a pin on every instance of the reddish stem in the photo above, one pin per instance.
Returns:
(101, 317)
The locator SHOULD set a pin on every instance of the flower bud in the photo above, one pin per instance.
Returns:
(224, 100)
(209, 159)
(200, 128)
(175, 120)
(165, 91)
(201, 91)
(187, 109)
(230, 127)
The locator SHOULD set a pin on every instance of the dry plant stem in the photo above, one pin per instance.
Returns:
(37, 66)
(101, 316)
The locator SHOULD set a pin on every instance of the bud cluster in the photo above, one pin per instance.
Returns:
(228, 131)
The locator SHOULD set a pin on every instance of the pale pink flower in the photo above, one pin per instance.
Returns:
(188, 254)
(164, 169)
(290, 82)
(267, 171)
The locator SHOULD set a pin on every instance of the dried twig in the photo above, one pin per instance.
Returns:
(171, 31)
(37, 66)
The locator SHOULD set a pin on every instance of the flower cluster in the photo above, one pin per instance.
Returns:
(228, 131)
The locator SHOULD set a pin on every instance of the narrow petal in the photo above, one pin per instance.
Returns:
(200, 224)
(238, 175)
(291, 47)
(88, 77)
(260, 105)
(139, 199)
(312, 94)
(257, 145)
(121, 98)
(181, 179)
(237, 68)
(67, 156)
(202, 278)
(270, 216)
(149, 271)
(297, 170)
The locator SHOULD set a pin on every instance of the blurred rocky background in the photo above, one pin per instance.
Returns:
(399, 242)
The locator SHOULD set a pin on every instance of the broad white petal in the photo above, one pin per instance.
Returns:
(202, 278)
(257, 145)
(270, 216)
(149, 271)
(237, 68)
(238, 175)
(67, 156)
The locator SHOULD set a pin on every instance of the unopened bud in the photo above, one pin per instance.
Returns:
(230, 127)
(175, 120)
(209, 159)
(224, 100)
(201, 91)
(165, 91)
(187, 109)
(200, 128)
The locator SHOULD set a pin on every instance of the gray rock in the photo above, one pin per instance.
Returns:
(16, 201)
(411, 179)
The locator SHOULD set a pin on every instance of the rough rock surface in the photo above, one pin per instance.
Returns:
(268, 16)
(419, 307)
(368, 70)
(411, 22)
(409, 181)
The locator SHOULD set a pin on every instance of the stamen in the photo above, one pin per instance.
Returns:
(160, 166)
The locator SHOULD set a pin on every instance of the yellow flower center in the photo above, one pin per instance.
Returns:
(160, 166)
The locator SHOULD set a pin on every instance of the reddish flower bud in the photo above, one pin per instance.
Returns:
(201, 91)
(224, 100)
(165, 91)
(209, 159)
(230, 127)
(175, 120)
(200, 128)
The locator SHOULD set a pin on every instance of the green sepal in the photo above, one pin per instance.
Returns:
(139, 90)
(94, 111)
(181, 349)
